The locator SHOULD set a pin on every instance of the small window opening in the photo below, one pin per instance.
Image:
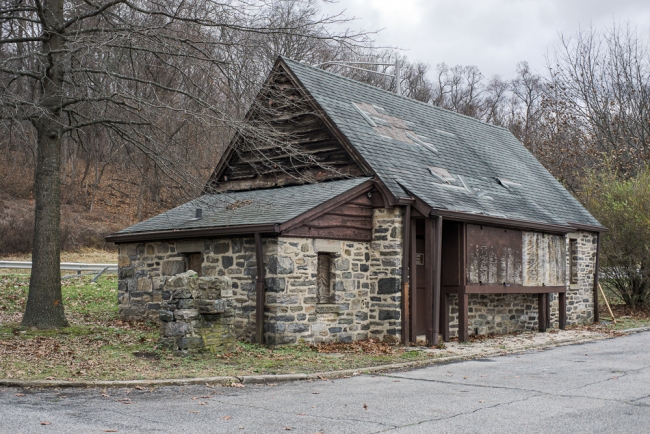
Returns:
(573, 263)
(324, 292)
(194, 262)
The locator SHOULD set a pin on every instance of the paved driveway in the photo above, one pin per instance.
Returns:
(601, 386)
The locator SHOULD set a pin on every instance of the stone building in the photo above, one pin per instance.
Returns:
(404, 222)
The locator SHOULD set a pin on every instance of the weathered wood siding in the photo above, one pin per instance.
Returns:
(544, 258)
(351, 221)
(309, 151)
(494, 256)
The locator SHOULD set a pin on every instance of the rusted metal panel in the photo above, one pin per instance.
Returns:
(544, 259)
(494, 256)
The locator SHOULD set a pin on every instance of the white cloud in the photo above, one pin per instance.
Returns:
(491, 34)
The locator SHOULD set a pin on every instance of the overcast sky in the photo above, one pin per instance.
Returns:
(491, 34)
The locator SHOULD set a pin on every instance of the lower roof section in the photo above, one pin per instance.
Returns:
(238, 212)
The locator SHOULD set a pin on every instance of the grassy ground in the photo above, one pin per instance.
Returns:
(98, 345)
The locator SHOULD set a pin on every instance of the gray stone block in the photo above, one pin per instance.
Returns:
(190, 343)
(390, 285)
(166, 315)
(175, 328)
(172, 267)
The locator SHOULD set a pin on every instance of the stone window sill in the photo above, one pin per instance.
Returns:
(328, 308)
(574, 286)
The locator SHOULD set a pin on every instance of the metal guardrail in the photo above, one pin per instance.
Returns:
(74, 266)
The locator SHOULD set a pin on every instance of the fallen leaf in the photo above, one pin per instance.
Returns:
(206, 397)
(140, 388)
(46, 423)
(240, 427)
(110, 430)
(226, 417)
(237, 385)
(193, 411)
(19, 394)
(395, 381)
(481, 401)
(195, 398)
(50, 378)
(286, 428)
(315, 393)
(365, 406)
(202, 403)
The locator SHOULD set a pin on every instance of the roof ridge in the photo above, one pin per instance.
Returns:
(394, 94)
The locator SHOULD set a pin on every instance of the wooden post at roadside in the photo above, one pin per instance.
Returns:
(607, 303)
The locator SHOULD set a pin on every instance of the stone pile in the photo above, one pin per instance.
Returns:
(199, 314)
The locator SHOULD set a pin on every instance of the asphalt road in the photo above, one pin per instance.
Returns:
(596, 387)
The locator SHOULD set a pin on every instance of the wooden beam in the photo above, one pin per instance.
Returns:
(406, 228)
(513, 289)
(429, 265)
(562, 310)
(286, 179)
(437, 255)
(463, 312)
(444, 317)
(260, 290)
(596, 312)
(541, 312)
(413, 279)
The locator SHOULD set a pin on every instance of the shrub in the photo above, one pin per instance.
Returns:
(623, 206)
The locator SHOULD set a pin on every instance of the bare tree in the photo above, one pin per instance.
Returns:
(146, 74)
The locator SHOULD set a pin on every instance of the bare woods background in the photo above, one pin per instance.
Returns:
(586, 113)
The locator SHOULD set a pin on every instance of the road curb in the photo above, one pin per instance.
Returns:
(269, 379)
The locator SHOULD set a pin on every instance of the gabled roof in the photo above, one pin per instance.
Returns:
(404, 141)
(261, 208)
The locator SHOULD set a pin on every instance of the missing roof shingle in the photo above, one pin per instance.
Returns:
(507, 184)
(442, 174)
(365, 115)
(446, 133)
(422, 143)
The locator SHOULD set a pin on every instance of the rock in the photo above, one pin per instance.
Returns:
(172, 267)
(175, 328)
(166, 315)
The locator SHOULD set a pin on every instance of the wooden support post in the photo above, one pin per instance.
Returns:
(541, 312)
(413, 281)
(260, 290)
(437, 255)
(429, 266)
(463, 312)
(406, 317)
(562, 309)
(548, 310)
(445, 316)
(596, 313)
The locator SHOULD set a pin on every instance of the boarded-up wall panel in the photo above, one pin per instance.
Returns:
(544, 259)
(494, 256)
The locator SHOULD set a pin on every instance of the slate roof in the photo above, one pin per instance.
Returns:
(271, 206)
(473, 152)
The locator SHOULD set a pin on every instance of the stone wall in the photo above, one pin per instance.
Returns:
(365, 285)
(518, 312)
(365, 282)
(199, 314)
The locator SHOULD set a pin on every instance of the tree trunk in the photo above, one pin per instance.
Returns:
(45, 302)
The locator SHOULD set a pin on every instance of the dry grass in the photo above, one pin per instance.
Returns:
(98, 345)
